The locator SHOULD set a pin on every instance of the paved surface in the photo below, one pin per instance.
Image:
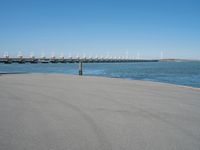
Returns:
(60, 112)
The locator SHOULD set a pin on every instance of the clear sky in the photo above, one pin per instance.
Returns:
(102, 27)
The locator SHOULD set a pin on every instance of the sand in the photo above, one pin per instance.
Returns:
(65, 112)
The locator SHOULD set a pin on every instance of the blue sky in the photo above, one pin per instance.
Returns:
(101, 27)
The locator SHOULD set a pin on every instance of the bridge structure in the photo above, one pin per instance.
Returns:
(34, 60)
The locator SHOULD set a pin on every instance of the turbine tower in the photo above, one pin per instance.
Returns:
(19, 55)
(127, 56)
(161, 55)
(32, 55)
(138, 55)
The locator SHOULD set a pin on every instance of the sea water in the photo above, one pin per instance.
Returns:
(180, 73)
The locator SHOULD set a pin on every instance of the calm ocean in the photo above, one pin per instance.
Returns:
(180, 73)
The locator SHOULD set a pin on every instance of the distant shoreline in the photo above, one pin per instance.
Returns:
(178, 60)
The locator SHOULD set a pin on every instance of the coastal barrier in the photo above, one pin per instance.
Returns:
(33, 60)
(21, 60)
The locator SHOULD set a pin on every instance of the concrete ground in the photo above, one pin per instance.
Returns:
(63, 112)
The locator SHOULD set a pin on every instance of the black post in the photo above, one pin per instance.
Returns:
(80, 68)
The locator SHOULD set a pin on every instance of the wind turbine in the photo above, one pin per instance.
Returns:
(32, 55)
(62, 56)
(19, 55)
(126, 54)
(43, 55)
(69, 56)
(161, 55)
(5, 55)
(53, 55)
(138, 55)
(84, 56)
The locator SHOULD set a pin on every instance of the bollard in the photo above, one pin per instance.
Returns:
(80, 68)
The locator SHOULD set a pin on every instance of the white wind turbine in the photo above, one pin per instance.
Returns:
(32, 55)
(161, 55)
(19, 55)
(138, 55)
